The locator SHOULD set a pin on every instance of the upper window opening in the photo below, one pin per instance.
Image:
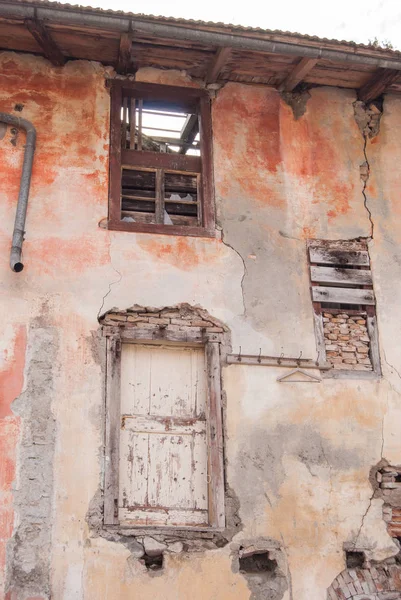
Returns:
(160, 167)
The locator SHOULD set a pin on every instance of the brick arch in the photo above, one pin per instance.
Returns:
(381, 582)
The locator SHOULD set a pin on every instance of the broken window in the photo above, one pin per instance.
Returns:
(160, 160)
(163, 433)
(344, 305)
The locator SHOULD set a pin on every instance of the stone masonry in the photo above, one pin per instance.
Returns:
(347, 341)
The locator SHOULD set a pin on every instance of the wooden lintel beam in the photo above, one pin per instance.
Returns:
(297, 74)
(124, 63)
(43, 37)
(378, 84)
(217, 64)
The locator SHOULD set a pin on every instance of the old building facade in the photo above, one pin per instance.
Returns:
(200, 367)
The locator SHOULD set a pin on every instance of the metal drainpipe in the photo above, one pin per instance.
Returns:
(20, 215)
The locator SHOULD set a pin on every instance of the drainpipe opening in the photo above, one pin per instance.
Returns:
(18, 267)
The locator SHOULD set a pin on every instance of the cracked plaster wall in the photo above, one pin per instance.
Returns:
(298, 456)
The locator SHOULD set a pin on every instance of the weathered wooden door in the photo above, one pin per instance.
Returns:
(163, 448)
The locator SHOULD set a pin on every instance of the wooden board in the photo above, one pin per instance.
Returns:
(112, 430)
(173, 162)
(373, 333)
(338, 256)
(342, 295)
(163, 466)
(215, 436)
(339, 275)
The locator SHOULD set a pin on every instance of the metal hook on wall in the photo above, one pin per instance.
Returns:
(260, 357)
(299, 359)
(239, 355)
(281, 358)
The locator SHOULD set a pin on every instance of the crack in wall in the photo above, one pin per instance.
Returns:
(365, 183)
(109, 290)
(363, 519)
(245, 272)
(367, 118)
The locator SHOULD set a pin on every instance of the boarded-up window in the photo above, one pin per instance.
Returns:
(344, 305)
(164, 442)
(163, 449)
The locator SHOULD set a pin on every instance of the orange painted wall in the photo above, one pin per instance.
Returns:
(278, 181)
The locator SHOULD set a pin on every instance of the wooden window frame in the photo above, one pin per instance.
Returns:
(187, 99)
(214, 427)
(371, 320)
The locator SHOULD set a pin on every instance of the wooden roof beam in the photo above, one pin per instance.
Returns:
(189, 132)
(217, 64)
(298, 73)
(124, 63)
(378, 84)
(43, 37)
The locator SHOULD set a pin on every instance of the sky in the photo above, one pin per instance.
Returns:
(352, 20)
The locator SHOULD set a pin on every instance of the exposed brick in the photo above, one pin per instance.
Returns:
(159, 321)
(175, 321)
(200, 323)
(112, 317)
(132, 319)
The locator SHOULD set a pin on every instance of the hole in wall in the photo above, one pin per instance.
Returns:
(257, 562)
(153, 563)
(19, 107)
(354, 559)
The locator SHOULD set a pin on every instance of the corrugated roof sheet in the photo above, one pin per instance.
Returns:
(218, 25)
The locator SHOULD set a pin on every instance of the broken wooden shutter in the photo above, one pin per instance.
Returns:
(344, 304)
(161, 179)
(163, 438)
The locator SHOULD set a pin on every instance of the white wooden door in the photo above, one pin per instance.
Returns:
(163, 449)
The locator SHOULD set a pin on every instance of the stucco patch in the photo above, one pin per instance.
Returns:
(29, 550)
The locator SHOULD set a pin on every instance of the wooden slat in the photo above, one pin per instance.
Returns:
(342, 295)
(378, 84)
(124, 123)
(148, 218)
(297, 74)
(132, 123)
(217, 64)
(140, 108)
(45, 41)
(162, 160)
(320, 341)
(113, 386)
(371, 324)
(338, 275)
(336, 256)
(215, 437)
(157, 517)
(159, 208)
